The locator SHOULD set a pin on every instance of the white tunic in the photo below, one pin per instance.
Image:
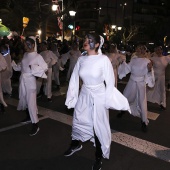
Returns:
(3, 66)
(92, 104)
(157, 94)
(27, 87)
(6, 76)
(135, 90)
(116, 59)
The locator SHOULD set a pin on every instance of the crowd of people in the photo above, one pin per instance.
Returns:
(92, 74)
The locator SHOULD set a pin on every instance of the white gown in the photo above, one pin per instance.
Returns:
(135, 90)
(157, 94)
(27, 86)
(92, 103)
(6, 76)
(3, 66)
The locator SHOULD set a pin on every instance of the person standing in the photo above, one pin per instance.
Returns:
(31, 66)
(91, 105)
(135, 91)
(50, 58)
(116, 58)
(7, 74)
(157, 94)
(3, 66)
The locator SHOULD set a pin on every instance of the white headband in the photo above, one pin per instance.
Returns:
(35, 48)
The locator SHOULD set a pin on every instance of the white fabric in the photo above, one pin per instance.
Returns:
(92, 104)
(116, 59)
(135, 90)
(3, 66)
(51, 59)
(6, 76)
(27, 87)
(157, 94)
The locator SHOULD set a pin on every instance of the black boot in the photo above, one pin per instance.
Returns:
(35, 129)
(97, 164)
(144, 127)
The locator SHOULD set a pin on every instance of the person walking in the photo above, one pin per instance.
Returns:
(31, 66)
(157, 94)
(135, 91)
(3, 66)
(91, 105)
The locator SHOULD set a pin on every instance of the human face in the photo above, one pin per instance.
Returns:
(158, 51)
(86, 45)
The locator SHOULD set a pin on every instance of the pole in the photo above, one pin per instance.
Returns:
(63, 22)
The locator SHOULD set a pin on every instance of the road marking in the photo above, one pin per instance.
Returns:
(19, 124)
(126, 140)
(152, 115)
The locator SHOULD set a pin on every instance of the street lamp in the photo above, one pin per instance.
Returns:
(72, 14)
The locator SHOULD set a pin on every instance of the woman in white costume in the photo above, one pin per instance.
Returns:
(73, 56)
(135, 91)
(3, 66)
(50, 58)
(7, 74)
(157, 94)
(32, 66)
(116, 59)
(97, 95)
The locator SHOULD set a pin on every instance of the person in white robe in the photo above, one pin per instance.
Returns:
(135, 91)
(72, 55)
(7, 74)
(50, 58)
(56, 66)
(116, 59)
(91, 105)
(31, 66)
(3, 67)
(157, 94)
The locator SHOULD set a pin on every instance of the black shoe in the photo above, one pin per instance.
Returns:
(49, 99)
(144, 127)
(162, 107)
(72, 150)
(97, 165)
(119, 115)
(35, 129)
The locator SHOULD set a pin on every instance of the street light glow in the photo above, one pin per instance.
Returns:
(54, 7)
(72, 13)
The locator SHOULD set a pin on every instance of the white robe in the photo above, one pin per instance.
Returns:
(157, 94)
(92, 103)
(135, 90)
(3, 66)
(50, 58)
(116, 59)
(6, 76)
(73, 55)
(27, 87)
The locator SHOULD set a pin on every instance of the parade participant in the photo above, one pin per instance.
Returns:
(50, 58)
(31, 66)
(72, 55)
(91, 105)
(135, 91)
(7, 74)
(116, 58)
(157, 94)
(3, 66)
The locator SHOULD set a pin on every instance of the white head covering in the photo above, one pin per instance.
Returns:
(35, 48)
(101, 44)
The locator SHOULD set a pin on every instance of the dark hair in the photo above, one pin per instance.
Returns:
(95, 37)
(30, 40)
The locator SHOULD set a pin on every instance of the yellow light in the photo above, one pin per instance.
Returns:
(25, 21)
